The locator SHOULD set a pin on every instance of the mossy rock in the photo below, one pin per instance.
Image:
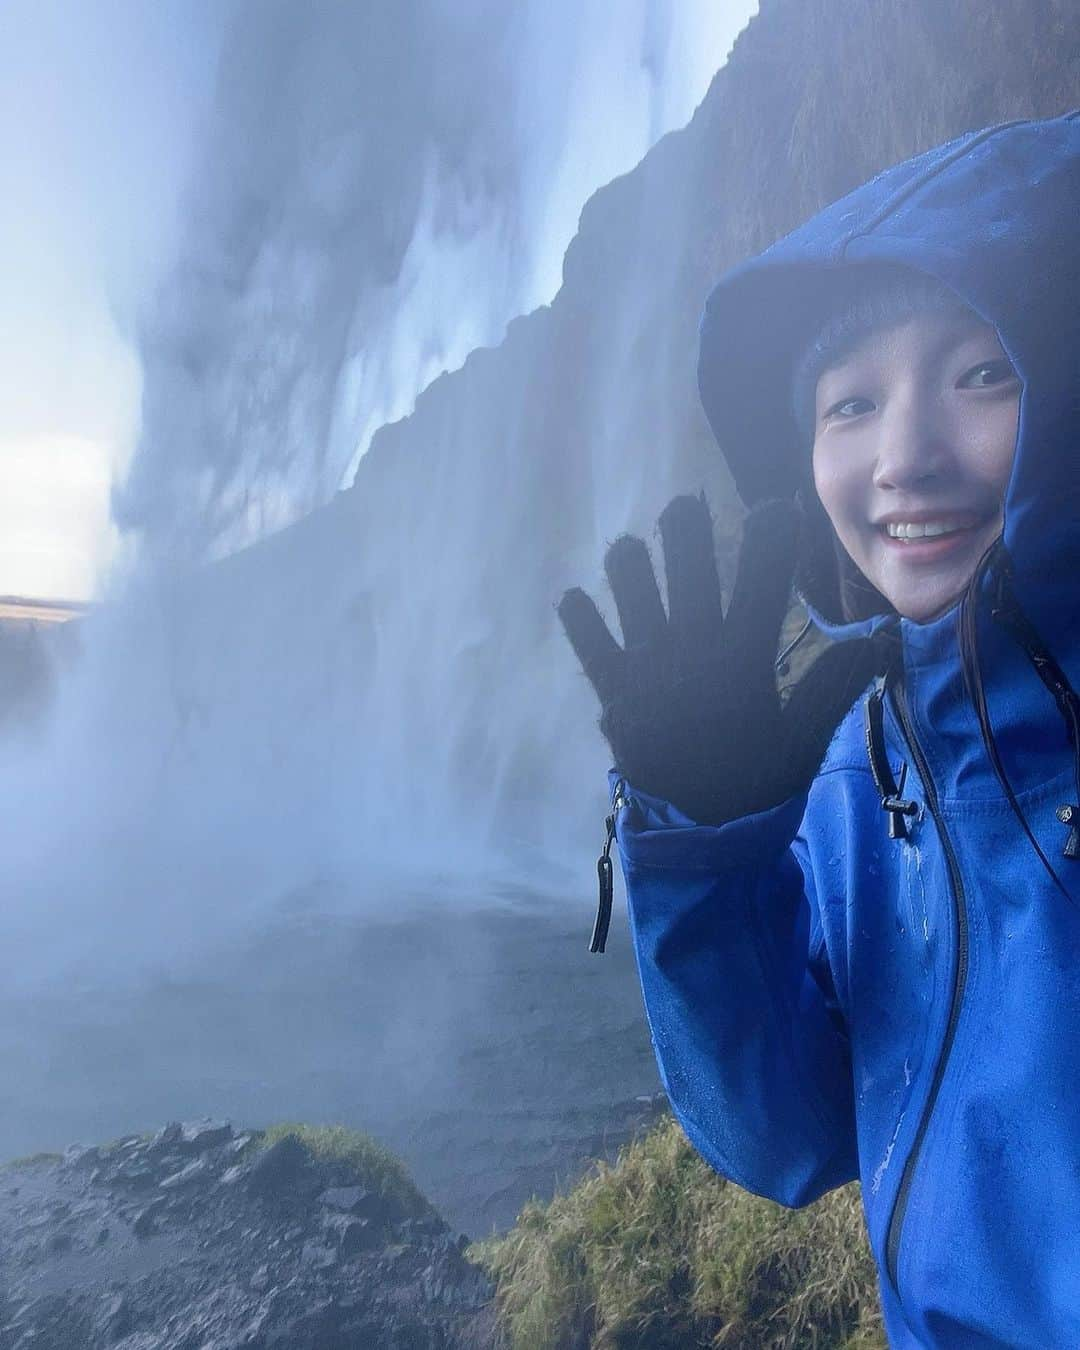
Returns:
(350, 1157)
(30, 1160)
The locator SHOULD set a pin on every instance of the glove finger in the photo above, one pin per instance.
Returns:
(591, 640)
(695, 605)
(762, 587)
(824, 695)
(637, 596)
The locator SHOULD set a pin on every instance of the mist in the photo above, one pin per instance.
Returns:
(323, 707)
(380, 189)
(383, 189)
(102, 108)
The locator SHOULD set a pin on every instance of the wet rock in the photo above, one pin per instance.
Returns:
(75, 1155)
(200, 1135)
(260, 1282)
(339, 1276)
(282, 1168)
(145, 1222)
(450, 1279)
(134, 1175)
(317, 1254)
(352, 1235)
(116, 1320)
(193, 1172)
(346, 1198)
(416, 1230)
(169, 1135)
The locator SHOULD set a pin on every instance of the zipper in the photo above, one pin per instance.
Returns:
(896, 1222)
(605, 875)
(892, 802)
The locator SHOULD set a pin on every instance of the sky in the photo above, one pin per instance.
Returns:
(101, 103)
(107, 121)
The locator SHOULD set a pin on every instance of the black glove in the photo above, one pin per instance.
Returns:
(690, 704)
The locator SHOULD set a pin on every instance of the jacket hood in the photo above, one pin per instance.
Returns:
(992, 215)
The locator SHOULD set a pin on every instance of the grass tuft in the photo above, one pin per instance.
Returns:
(30, 1160)
(362, 1160)
(657, 1252)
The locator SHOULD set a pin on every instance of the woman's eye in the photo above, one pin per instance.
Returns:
(988, 373)
(848, 407)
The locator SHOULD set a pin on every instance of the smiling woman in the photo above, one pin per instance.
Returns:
(861, 962)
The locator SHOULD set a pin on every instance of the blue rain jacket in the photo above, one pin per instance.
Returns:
(829, 1003)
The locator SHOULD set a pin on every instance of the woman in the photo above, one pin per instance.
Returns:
(857, 912)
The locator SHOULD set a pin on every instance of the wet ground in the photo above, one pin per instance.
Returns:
(482, 1043)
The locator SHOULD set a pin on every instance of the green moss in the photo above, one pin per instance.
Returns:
(659, 1252)
(352, 1157)
(30, 1160)
(360, 1160)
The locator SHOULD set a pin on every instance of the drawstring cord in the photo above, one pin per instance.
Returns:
(1006, 611)
(781, 665)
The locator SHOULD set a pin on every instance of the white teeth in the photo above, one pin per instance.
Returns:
(923, 530)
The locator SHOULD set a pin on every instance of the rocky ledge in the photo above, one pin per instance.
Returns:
(202, 1238)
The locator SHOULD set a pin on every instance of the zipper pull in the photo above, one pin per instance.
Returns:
(606, 878)
(893, 803)
(1070, 816)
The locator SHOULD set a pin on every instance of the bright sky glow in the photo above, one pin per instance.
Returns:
(103, 105)
(55, 530)
(99, 104)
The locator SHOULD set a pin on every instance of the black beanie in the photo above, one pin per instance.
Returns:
(866, 298)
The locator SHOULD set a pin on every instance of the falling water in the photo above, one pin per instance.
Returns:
(378, 693)
(385, 187)
(305, 710)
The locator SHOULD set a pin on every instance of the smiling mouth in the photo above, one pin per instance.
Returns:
(905, 531)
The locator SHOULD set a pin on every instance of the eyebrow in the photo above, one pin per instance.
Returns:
(973, 331)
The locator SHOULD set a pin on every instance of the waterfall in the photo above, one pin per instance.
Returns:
(300, 691)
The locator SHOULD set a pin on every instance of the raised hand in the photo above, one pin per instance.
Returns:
(690, 705)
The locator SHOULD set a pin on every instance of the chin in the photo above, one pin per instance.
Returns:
(926, 609)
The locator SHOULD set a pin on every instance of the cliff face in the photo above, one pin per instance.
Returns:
(468, 519)
(387, 677)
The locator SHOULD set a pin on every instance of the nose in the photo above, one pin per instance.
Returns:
(913, 449)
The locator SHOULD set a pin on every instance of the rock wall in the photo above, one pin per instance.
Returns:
(468, 519)
(386, 682)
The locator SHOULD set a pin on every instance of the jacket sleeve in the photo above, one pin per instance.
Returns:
(751, 1045)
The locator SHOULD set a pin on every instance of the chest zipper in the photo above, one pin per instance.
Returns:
(896, 1221)
(605, 875)
(889, 790)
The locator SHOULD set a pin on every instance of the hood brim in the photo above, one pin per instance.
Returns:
(993, 217)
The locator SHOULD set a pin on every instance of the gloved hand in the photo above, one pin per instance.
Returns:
(690, 705)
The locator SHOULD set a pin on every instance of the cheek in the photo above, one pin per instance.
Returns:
(993, 452)
(837, 489)
(822, 476)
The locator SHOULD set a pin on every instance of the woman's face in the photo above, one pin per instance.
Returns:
(915, 432)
